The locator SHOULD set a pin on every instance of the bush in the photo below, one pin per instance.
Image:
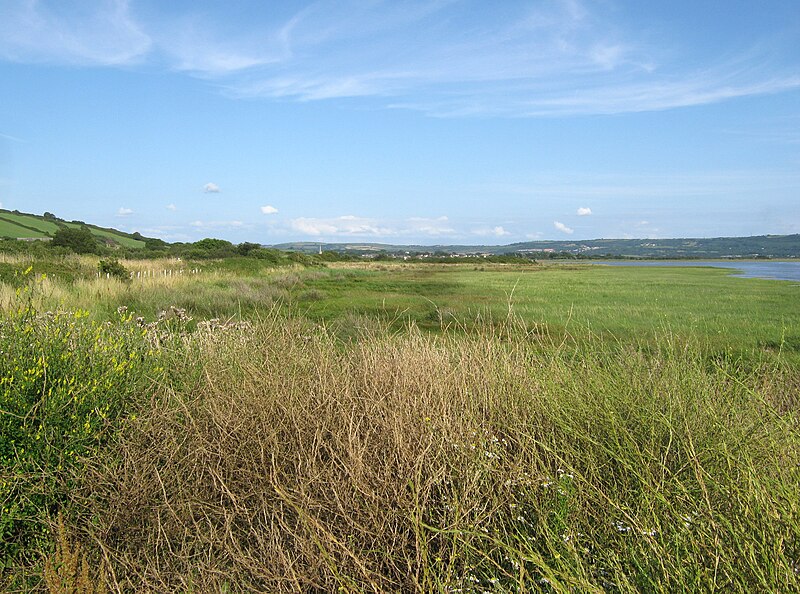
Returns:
(65, 385)
(80, 241)
(114, 269)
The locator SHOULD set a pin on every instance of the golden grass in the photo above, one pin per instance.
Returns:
(68, 571)
(287, 463)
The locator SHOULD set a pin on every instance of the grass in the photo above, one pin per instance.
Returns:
(43, 226)
(123, 240)
(421, 463)
(9, 228)
(622, 303)
(20, 225)
(430, 429)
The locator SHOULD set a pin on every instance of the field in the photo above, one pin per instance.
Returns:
(227, 426)
(9, 228)
(15, 224)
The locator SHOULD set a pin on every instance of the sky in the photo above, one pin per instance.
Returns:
(428, 122)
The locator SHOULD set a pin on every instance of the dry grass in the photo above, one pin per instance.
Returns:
(68, 572)
(284, 462)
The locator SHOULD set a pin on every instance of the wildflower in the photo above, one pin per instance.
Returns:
(622, 527)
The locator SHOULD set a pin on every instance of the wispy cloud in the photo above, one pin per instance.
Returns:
(365, 227)
(268, 210)
(347, 225)
(563, 228)
(584, 211)
(171, 207)
(93, 33)
(219, 224)
(565, 57)
(497, 231)
(211, 188)
(561, 58)
(634, 186)
(12, 138)
(124, 212)
(441, 57)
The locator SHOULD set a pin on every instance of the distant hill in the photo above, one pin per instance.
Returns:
(761, 246)
(20, 225)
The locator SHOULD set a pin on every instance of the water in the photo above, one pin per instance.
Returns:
(745, 269)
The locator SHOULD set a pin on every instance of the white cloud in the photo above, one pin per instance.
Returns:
(124, 212)
(584, 211)
(211, 188)
(85, 33)
(563, 228)
(171, 207)
(494, 231)
(560, 58)
(428, 227)
(313, 227)
(567, 57)
(268, 209)
(219, 224)
(347, 225)
(356, 226)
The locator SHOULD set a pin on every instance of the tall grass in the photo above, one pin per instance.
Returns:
(363, 455)
(452, 463)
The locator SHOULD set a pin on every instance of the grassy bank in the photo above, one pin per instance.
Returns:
(369, 430)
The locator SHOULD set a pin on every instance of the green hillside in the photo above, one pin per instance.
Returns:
(9, 228)
(121, 238)
(762, 246)
(31, 222)
(18, 225)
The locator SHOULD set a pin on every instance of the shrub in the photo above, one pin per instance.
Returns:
(66, 383)
(80, 241)
(113, 268)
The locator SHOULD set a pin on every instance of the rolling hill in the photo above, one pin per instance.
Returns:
(19, 225)
(762, 246)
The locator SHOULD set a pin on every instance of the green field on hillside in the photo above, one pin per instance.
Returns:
(33, 222)
(118, 237)
(25, 225)
(11, 229)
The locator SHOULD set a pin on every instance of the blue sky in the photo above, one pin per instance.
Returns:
(440, 121)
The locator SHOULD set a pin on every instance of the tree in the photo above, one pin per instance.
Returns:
(80, 240)
(246, 247)
(155, 244)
